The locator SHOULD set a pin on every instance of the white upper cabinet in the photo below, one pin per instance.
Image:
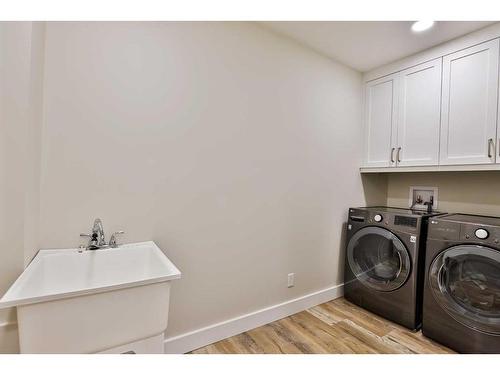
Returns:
(403, 116)
(442, 114)
(419, 114)
(469, 105)
(380, 121)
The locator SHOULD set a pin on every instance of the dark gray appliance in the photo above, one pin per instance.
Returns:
(462, 283)
(384, 262)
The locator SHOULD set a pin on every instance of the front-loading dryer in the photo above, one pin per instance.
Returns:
(384, 262)
(462, 283)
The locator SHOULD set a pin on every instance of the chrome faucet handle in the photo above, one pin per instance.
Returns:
(93, 241)
(92, 237)
(112, 240)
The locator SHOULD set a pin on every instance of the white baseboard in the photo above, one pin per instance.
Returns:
(9, 339)
(208, 335)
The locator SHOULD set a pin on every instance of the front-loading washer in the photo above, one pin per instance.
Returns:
(384, 261)
(462, 283)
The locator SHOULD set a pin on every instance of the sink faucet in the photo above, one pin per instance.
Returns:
(97, 239)
(98, 230)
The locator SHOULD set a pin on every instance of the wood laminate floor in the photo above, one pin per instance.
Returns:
(337, 326)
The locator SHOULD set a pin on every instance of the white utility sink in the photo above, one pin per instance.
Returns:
(87, 302)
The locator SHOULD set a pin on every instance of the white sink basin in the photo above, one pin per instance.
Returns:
(71, 302)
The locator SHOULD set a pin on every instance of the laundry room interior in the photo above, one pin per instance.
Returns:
(249, 187)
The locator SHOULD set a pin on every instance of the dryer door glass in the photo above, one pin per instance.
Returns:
(378, 258)
(465, 280)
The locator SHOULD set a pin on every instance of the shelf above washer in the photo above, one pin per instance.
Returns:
(436, 168)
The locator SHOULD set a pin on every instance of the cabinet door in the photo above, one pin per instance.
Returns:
(469, 106)
(380, 122)
(419, 114)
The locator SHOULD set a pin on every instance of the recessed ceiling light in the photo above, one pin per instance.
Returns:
(421, 26)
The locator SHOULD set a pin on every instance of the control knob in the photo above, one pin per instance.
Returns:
(378, 218)
(481, 233)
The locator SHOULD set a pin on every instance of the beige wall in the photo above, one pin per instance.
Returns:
(33, 144)
(468, 192)
(228, 145)
(21, 64)
(375, 188)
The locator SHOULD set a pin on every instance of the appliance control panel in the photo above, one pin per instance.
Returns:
(405, 221)
(481, 234)
(443, 230)
(395, 221)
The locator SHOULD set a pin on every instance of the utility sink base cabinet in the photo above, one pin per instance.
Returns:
(70, 302)
(94, 322)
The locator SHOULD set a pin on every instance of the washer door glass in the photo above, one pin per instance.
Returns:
(465, 280)
(378, 258)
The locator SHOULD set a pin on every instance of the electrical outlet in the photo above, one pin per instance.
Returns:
(419, 195)
(291, 280)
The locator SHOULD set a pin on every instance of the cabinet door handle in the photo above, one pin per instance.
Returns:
(392, 155)
(490, 143)
(397, 155)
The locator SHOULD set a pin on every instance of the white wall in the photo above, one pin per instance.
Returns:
(21, 68)
(231, 147)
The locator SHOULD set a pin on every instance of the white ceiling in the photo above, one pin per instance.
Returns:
(364, 45)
